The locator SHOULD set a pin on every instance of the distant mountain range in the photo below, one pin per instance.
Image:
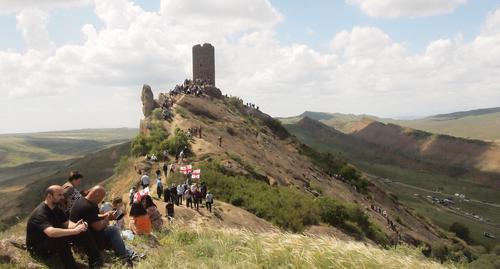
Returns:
(482, 124)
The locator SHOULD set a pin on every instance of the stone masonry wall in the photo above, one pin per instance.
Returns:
(204, 63)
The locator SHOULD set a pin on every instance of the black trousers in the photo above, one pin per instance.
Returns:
(209, 206)
(62, 248)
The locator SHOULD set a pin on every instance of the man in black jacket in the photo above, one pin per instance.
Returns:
(49, 232)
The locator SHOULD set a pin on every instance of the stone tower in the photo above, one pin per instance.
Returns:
(204, 62)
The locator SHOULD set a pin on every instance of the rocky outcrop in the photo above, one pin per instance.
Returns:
(148, 102)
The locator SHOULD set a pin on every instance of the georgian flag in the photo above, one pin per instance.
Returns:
(196, 173)
(186, 169)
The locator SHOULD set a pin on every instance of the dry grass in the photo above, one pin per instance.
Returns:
(229, 248)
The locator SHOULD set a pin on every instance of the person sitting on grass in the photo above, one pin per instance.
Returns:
(140, 223)
(105, 235)
(153, 213)
(49, 232)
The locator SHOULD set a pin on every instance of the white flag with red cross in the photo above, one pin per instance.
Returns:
(196, 173)
(186, 169)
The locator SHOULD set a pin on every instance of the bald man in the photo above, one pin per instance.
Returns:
(87, 209)
(49, 231)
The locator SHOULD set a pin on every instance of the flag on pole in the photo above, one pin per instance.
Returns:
(196, 173)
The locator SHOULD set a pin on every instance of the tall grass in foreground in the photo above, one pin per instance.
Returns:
(230, 248)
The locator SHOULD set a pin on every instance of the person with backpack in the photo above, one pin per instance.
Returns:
(159, 185)
(209, 200)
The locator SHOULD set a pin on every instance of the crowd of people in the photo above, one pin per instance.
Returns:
(190, 87)
(56, 224)
(70, 217)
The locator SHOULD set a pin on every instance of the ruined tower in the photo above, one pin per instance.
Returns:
(204, 62)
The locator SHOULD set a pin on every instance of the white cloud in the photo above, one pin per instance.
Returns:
(97, 83)
(406, 8)
(14, 6)
(33, 25)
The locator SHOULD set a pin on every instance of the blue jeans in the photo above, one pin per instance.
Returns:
(114, 238)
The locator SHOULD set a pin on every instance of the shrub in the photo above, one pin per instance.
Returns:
(157, 114)
(276, 127)
(460, 230)
(179, 141)
(285, 207)
(440, 252)
(139, 146)
(151, 143)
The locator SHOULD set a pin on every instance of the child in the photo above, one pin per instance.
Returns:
(117, 204)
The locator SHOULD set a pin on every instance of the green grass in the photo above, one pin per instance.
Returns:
(286, 207)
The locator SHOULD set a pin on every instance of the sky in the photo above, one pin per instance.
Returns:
(71, 64)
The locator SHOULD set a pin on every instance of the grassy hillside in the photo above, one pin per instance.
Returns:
(391, 165)
(24, 190)
(182, 246)
(17, 149)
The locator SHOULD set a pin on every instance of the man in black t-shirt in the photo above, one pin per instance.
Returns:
(49, 231)
(86, 209)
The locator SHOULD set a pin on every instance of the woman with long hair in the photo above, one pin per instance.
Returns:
(154, 214)
(139, 219)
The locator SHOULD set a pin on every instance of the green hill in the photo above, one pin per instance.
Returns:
(24, 184)
(402, 171)
(17, 149)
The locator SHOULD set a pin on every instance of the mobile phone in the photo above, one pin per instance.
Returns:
(120, 216)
